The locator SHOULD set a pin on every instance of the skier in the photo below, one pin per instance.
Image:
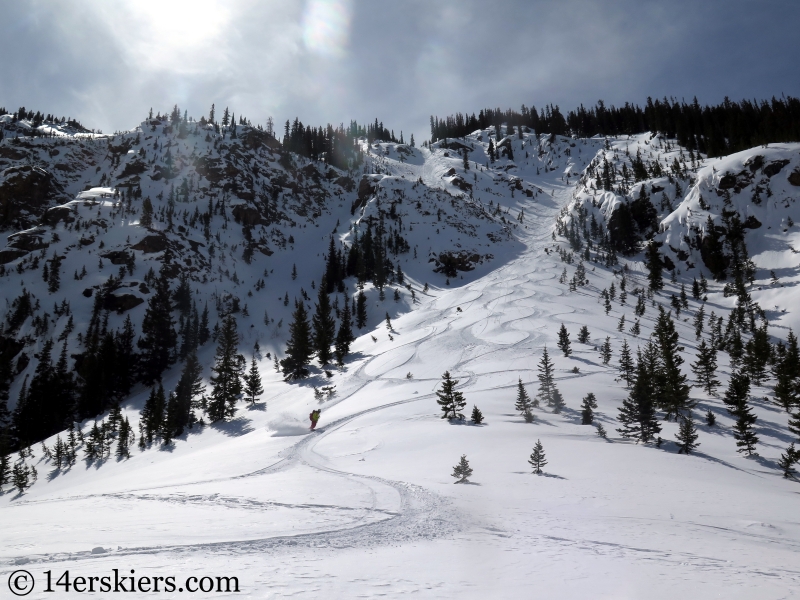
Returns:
(314, 416)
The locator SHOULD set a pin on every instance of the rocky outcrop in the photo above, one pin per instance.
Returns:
(57, 214)
(152, 243)
(25, 193)
(120, 303)
(30, 240)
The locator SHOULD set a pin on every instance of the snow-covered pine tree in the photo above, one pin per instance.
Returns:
(546, 382)
(462, 471)
(524, 404)
(226, 382)
(449, 399)
(252, 383)
(705, 367)
(537, 459)
(477, 415)
(563, 341)
(587, 405)
(298, 347)
(687, 434)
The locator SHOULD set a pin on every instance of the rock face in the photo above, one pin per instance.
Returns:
(247, 215)
(152, 243)
(25, 193)
(775, 167)
(10, 254)
(117, 257)
(30, 240)
(121, 302)
(57, 214)
(450, 263)
(366, 188)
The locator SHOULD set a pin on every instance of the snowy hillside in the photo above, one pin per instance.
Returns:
(498, 236)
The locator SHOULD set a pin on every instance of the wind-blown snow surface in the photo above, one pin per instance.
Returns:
(365, 506)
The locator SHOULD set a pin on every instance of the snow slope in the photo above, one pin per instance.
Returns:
(365, 506)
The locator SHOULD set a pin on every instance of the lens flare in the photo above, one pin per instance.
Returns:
(326, 26)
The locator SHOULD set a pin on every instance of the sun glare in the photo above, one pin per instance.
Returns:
(181, 24)
(326, 26)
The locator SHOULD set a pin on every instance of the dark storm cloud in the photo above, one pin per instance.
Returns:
(107, 63)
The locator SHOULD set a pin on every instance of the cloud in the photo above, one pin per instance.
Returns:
(107, 63)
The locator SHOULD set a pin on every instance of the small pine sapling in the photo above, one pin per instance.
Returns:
(583, 335)
(462, 470)
(601, 431)
(687, 434)
(788, 460)
(605, 351)
(587, 414)
(524, 403)
(563, 341)
(537, 459)
(711, 418)
(477, 415)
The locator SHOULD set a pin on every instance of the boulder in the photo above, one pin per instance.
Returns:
(794, 177)
(727, 182)
(117, 257)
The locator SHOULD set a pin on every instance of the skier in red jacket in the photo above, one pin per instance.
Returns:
(314, 416)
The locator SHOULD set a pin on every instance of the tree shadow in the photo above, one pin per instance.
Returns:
(551, 476)
(233, 428)
(262, 406)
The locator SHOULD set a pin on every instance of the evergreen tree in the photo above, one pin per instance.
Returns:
(627, 368)
(345, 336)
(5, 469)
(323, 325)
(190, 386)
(449, 399)
(563, 341)
(537, 459)
(462, 470)
(654, 265)
(743, 429)
(546, 381)
(558, 401)
(674, 391)
(125, 439)
(699, 319)
(605, 350)
(587, 405)
(523, 404)
(361, 310)
(477, 415)
(158, 339)
(687, 434)
(787, 461)
(252, 383)
(638, 414)
(583, 335)
(151, 417)
(705, 367)
(711, 418)
(203, 333)
(298, 348)
(226, 382)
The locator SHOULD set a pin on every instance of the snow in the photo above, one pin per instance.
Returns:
(365, 505)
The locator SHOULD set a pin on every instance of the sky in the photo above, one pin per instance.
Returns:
(107, 62)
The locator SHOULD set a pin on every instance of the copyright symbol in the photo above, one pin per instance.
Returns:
(20, 583)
